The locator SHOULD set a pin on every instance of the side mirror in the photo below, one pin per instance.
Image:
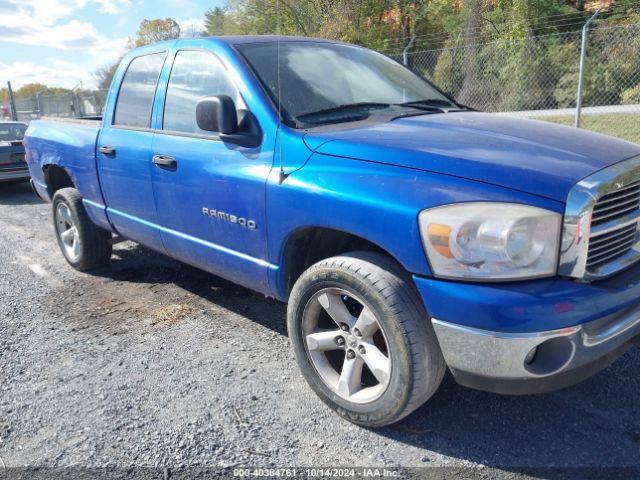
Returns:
(217, 114)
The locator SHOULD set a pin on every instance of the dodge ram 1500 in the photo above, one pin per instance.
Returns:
(407, 233)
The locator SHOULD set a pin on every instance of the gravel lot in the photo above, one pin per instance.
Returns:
(154, 363)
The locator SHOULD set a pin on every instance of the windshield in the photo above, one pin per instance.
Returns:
(12, 132)
(326, 83)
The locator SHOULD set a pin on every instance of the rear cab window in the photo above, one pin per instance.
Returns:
(137, 91)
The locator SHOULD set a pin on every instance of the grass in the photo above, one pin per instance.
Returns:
(621, 125)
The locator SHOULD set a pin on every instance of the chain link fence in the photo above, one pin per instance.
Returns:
(535, 77)
(538, 77)
(71, 104)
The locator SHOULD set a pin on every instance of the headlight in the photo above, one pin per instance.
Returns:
(491, 241)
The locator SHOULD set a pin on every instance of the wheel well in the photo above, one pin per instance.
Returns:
(56, 178)
(311, 245)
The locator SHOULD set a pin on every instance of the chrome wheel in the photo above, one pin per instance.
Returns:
(346, 345)
(67, 232)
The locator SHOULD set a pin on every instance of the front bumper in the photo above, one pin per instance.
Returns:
(535, 362)
(532, 337)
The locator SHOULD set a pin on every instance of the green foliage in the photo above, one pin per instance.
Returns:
(524, 62)
(448, 75)
(31, 90)
(217, 22)
(381, 24)
(631, 95)
(157, 30)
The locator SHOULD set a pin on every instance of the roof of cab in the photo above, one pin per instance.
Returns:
(239, 39)
(229, 40)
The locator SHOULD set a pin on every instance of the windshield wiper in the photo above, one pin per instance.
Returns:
(422, 107)
(433, 103)
(346, 106)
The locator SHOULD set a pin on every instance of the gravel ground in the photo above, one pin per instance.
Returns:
(153, 363)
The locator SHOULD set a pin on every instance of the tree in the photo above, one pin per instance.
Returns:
(215, 21)
(104, 75)
(158, 30)
(32, 89)
(150, 31)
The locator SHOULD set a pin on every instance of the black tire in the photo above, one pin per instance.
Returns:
(417, 364)
(94, 248)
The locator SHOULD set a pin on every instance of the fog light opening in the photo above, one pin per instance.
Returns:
(550, 356)
(531, 356)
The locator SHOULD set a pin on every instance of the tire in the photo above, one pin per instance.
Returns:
(414, 365)
(84, 245)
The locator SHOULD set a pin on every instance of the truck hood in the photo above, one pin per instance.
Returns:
(536, 157)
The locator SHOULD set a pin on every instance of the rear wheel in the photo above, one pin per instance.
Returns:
(363, 339)
(84, 245)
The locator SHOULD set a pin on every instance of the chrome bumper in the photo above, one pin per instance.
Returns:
(522, 363)
(14, 174)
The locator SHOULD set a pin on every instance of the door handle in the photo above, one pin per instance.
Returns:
(108, 151)
(165, 161)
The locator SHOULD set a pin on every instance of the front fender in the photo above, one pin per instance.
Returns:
(377, 202)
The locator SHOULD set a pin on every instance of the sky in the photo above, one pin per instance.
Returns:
(62, 42)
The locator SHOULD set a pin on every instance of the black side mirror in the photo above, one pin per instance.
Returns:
(217, 114)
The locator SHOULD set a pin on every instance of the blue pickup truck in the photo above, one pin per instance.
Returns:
(408, 234)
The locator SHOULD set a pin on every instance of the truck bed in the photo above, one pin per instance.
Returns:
(68, 143)
(76, 121)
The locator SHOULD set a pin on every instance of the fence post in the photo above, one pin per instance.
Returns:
(12, 100)
(405, 52)
(583, 57)
(39, 111)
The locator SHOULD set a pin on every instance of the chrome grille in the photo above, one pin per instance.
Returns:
(611, 245)
(616, 204)
(600, 233)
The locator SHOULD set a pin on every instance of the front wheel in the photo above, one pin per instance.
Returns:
(84, 245)
(362, 338)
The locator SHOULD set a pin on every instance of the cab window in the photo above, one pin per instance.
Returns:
(196, 74)
(135, 100)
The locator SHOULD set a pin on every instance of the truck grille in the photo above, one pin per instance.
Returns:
(616, 204)
(614, 229)
(605, 206)
(611, 245)
(615, 242)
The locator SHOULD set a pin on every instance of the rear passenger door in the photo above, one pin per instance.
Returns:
(211, 202)
(125, 156)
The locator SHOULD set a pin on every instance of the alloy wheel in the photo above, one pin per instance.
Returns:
(67, 232)
(346, 345)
